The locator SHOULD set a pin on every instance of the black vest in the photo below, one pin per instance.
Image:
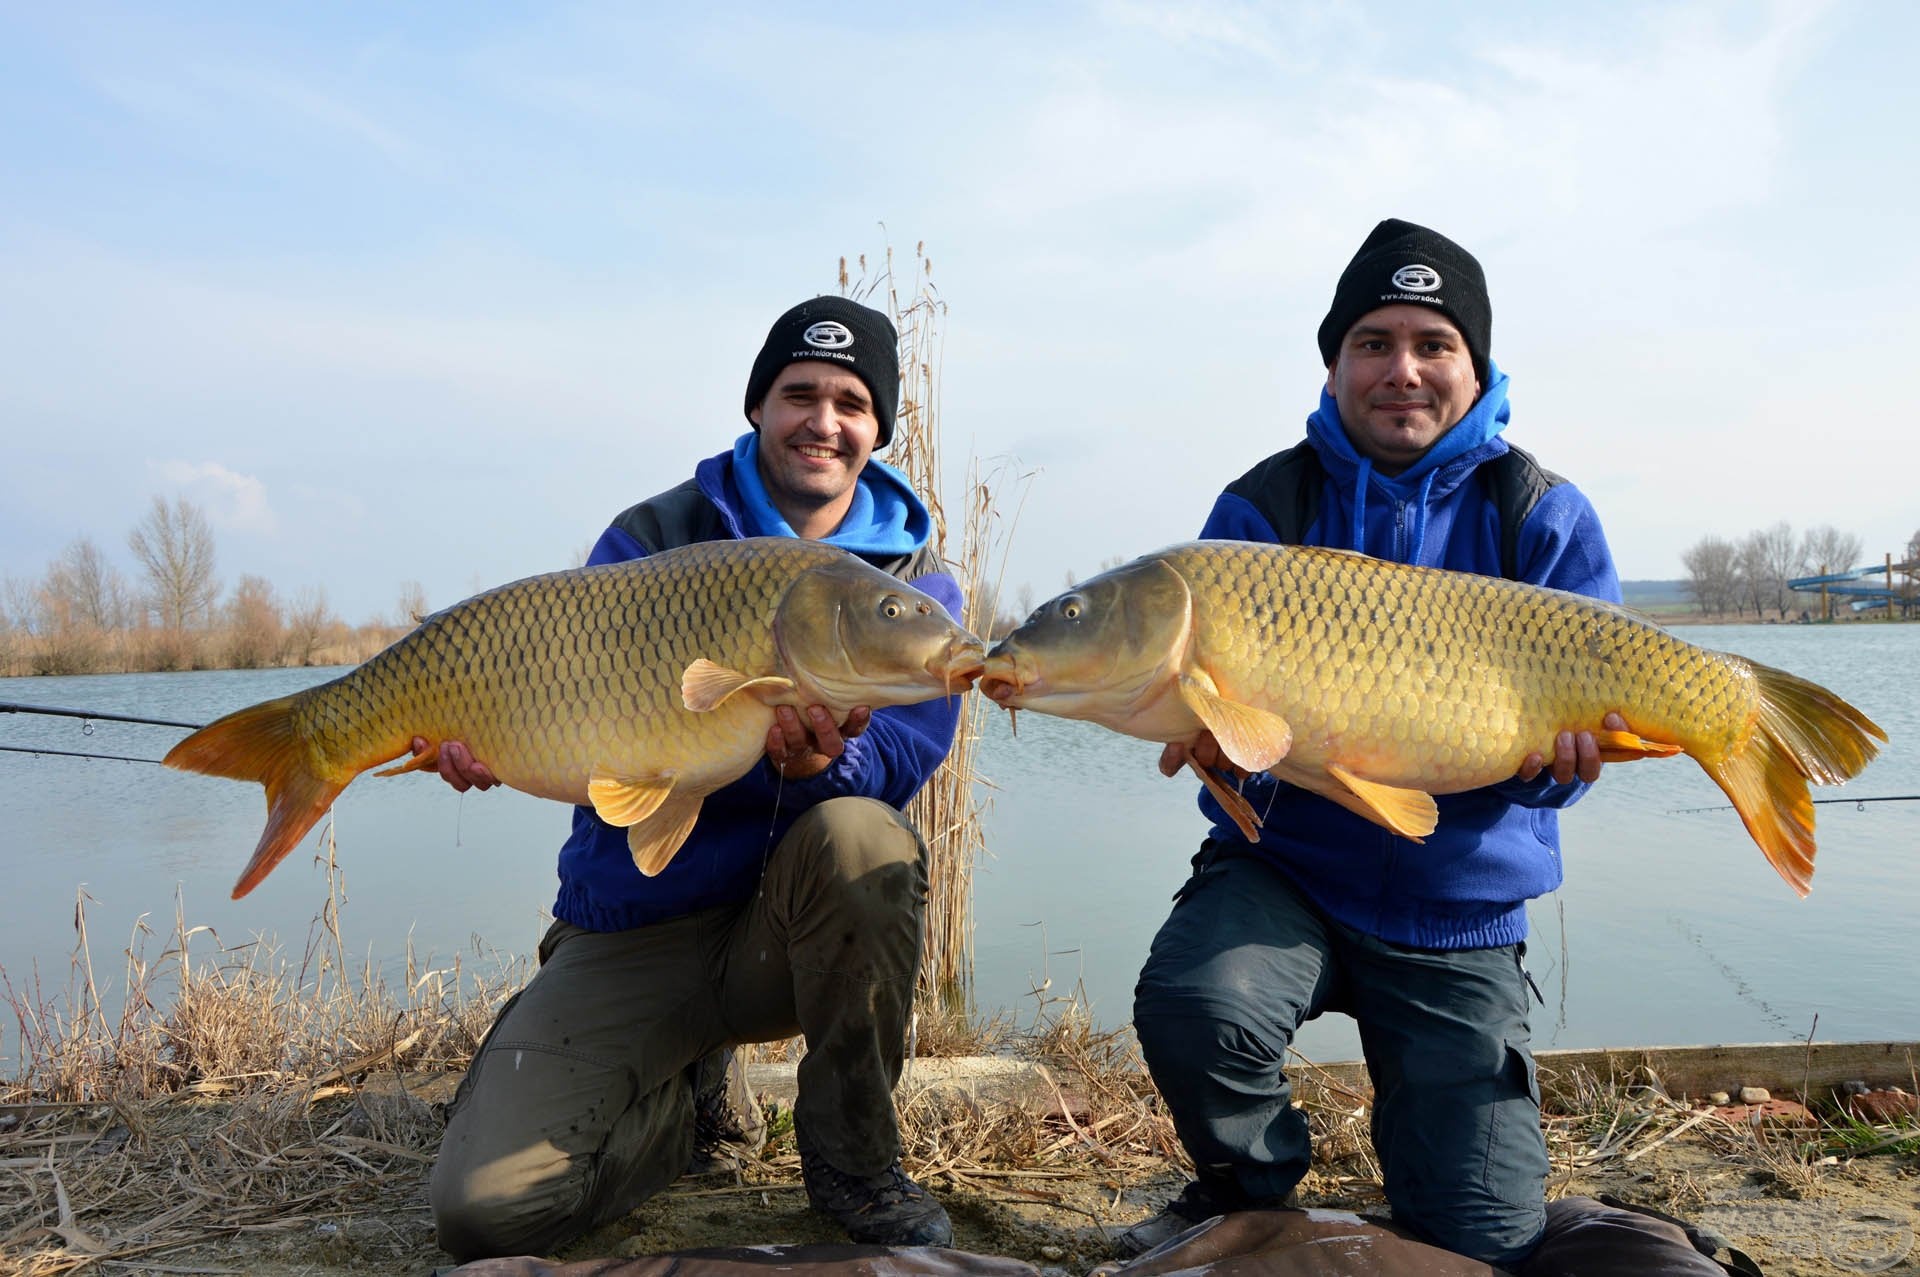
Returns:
(1285, 489)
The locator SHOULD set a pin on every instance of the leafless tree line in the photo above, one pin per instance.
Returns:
(1750, 576)
(84, 616)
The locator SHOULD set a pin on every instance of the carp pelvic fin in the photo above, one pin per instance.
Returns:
(654, 840)
(625, 801)
(1625, 747)
(706, 686)
(428, 760)
(1232, 800)
(1255, 739)
(1411, 813)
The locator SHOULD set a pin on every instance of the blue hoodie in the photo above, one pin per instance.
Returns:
(1496, 848)
(739, 825)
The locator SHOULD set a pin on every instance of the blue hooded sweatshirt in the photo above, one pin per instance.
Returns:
(1496, 848)
(720, 864)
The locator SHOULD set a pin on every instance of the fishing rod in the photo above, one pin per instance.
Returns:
(15, 707)
(89, 717)
(1888, 798)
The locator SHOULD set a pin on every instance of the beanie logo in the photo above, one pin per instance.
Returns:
(1417, 279)
(828, 334)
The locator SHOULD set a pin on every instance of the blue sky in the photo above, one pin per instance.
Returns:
(429, 294)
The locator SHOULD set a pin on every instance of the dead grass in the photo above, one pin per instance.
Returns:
(285, 1108)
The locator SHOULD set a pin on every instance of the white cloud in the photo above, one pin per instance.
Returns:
(232, 501)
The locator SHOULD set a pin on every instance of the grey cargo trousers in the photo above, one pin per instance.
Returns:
(579, 1104)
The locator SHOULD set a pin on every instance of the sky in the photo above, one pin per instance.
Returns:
(430, 293)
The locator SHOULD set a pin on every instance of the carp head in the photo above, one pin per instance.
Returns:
(1106, 650)
(849, 634)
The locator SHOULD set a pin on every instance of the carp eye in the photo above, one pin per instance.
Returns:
(1072, 606)
(892, 607)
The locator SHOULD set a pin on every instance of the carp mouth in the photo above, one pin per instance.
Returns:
(962, 664)
(1001, 680)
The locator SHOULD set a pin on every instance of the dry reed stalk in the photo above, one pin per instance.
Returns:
(948, 810)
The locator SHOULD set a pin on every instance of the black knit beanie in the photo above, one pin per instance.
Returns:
(837, 331)
(1401, 262)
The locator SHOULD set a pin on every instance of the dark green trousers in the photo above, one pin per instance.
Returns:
(579, 1104)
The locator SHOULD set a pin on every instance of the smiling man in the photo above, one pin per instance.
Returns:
(795, 906)
(1421, 944)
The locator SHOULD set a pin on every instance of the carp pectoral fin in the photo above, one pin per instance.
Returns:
(1624, 747)
(1411, 813)
(705, 685)
(654, 840)
(626, 800)
(428, 761)
(1236, 804)
(1255, 739)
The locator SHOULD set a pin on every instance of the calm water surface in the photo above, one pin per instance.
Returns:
(1671, 927)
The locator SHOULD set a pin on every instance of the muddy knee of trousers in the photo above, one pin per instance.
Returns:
(474, 1218)
(857, 852)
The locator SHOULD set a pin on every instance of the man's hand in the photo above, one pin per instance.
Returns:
(457, 766)
(800, 745)
(1204, 752)
(1574, 754)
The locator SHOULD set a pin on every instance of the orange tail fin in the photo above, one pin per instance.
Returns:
(1804, 733)
(259, 743)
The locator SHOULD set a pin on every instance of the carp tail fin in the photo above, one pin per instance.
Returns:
(260, 743)
(1804, 733)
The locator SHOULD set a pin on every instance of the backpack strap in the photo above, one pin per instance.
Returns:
(1515, 482)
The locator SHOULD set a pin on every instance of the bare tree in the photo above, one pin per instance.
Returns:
(1750, 572)
(253, 619)
(1780, 562)
(174, 547)
(86, 589)
(308, 621)
(1826, 549)
(413, 604)
(1712, 574)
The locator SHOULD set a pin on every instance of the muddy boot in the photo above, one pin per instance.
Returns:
(728, 1126)
(887, 1209)
(1198, 1202)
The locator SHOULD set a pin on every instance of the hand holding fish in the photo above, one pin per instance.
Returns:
(1575, 754)
(801, 749)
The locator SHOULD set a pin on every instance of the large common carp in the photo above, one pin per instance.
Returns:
(638, 687)
(1378, 685)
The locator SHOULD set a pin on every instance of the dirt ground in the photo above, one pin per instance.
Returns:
(1847, 1217)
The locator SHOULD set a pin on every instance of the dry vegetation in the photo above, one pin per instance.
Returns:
(251, 1110)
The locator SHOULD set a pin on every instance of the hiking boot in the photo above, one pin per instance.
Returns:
(728, 1126)
(887, 1209)
(1198, 1202)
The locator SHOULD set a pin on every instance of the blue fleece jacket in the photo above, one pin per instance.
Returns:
(739, 825)
(1467, 885)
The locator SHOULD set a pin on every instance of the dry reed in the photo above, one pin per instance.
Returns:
(949, 809)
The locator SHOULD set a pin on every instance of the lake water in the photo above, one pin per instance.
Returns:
(1671, 927)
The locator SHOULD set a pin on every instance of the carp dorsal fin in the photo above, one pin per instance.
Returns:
(706, 686)
(1411, 813)
(626, 800)
(1625, 747)
(654, 840)
(1255, 739)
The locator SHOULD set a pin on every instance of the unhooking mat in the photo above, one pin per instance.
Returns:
(1584, 1238)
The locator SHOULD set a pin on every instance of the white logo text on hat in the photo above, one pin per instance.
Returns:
(1417, 279)
(830, 334)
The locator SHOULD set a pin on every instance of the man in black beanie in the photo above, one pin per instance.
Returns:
(1422, 945)
(614, 1069)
